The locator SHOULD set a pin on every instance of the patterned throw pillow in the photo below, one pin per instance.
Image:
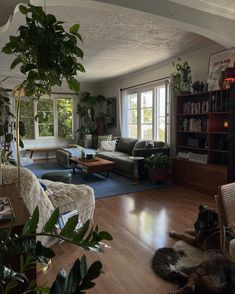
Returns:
(108, 145)
(103, 138)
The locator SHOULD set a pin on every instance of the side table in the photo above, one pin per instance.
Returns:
(136, 160)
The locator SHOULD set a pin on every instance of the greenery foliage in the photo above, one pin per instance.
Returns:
(45, 51)
(7, 127)
(89, 109)
(79, 278)
(182, 76)
(157, 160)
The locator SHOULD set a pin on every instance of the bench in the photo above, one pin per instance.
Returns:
(44, 149)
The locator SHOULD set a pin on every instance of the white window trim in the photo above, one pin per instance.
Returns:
(154, 87)
(53, 97)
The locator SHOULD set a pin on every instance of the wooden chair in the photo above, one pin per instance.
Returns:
(225, 202)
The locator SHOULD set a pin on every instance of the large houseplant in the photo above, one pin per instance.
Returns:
(90, 114)
(25, 245)
(47, 55)
(157, 165)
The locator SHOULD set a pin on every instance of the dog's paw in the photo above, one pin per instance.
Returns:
(172, 234)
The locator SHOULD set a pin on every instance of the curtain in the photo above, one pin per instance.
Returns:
(123, 113)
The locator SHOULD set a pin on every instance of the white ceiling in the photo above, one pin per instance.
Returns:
(117, 40)
(225, 8)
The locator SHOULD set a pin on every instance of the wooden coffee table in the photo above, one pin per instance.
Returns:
(96, 165)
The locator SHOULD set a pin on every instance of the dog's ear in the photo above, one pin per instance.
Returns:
(202, 207)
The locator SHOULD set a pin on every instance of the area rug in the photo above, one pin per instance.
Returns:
(114, 185)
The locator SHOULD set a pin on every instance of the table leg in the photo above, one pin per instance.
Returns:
(136, 173)
(31, 154)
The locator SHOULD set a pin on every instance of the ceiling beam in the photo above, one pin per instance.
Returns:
(214, 27)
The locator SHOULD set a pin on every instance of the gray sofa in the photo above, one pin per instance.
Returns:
(125, 148)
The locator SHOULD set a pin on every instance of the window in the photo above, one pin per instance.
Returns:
(64, 118)
(145, 112)
(27, 117)
(45, 118)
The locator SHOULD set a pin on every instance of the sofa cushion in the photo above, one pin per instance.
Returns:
(159, 144)
(110, 154)
(126, 145)
(140, 144)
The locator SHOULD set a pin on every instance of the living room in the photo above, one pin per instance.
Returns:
(131, 54)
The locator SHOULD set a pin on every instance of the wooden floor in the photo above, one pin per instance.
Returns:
(139, 224)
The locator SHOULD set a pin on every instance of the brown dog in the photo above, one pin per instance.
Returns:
(206, 233)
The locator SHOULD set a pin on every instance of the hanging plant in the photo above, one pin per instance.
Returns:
(45, 52)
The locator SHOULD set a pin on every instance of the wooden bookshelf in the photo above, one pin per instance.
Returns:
(202, 139)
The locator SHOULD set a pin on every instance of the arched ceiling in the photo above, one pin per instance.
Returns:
(117, 40)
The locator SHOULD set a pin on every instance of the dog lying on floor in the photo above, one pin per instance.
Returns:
(215, 274)
(206, 234)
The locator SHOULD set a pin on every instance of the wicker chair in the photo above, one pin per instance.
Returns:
(225, 203)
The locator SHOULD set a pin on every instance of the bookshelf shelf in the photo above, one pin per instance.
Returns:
(201, 134)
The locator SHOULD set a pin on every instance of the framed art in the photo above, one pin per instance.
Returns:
(217, 63)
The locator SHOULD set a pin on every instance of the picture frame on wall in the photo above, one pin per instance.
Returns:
(217, 63)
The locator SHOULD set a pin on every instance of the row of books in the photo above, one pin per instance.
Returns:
(194, 125)
(195, 107)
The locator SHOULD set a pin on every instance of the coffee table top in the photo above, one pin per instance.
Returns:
(97, 161)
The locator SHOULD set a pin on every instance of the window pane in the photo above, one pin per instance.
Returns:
(133, 131)
(132, 100)
(46, 130)
(45, 104)
(161, 130)
(146, 115)
(133, 115)
(146, 99)
(65, 118)
(45, 117)
(27, 117)
(146, 132)
(162, 101)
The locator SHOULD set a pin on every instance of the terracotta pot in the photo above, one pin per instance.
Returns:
(158, 174)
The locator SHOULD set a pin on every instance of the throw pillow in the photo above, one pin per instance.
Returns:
(47, 191)
(103, 138)
(149, 145)
(126, 145)
(108, 145)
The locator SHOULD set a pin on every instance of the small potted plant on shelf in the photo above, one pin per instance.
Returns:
(157, 165)
(182, 79)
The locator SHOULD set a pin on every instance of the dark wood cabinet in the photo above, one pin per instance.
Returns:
(203, 138)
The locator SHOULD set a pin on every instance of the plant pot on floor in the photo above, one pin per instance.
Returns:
(87, 141)
(158, 174)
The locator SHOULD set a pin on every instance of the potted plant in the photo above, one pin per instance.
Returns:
(182, 79)
(157, 165)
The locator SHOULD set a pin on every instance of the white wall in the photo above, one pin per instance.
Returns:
(199, 65)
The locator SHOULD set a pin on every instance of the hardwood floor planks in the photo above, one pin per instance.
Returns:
(139, 223)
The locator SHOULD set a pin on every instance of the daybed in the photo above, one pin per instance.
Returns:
(65, 196)
(125, 148)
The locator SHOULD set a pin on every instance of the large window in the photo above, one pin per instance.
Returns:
(47, 118)
(145, 112)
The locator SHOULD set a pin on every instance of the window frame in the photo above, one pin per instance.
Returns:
(54, 98)
(155, 88)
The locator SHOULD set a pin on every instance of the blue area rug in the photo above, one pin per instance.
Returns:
(114, 185)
